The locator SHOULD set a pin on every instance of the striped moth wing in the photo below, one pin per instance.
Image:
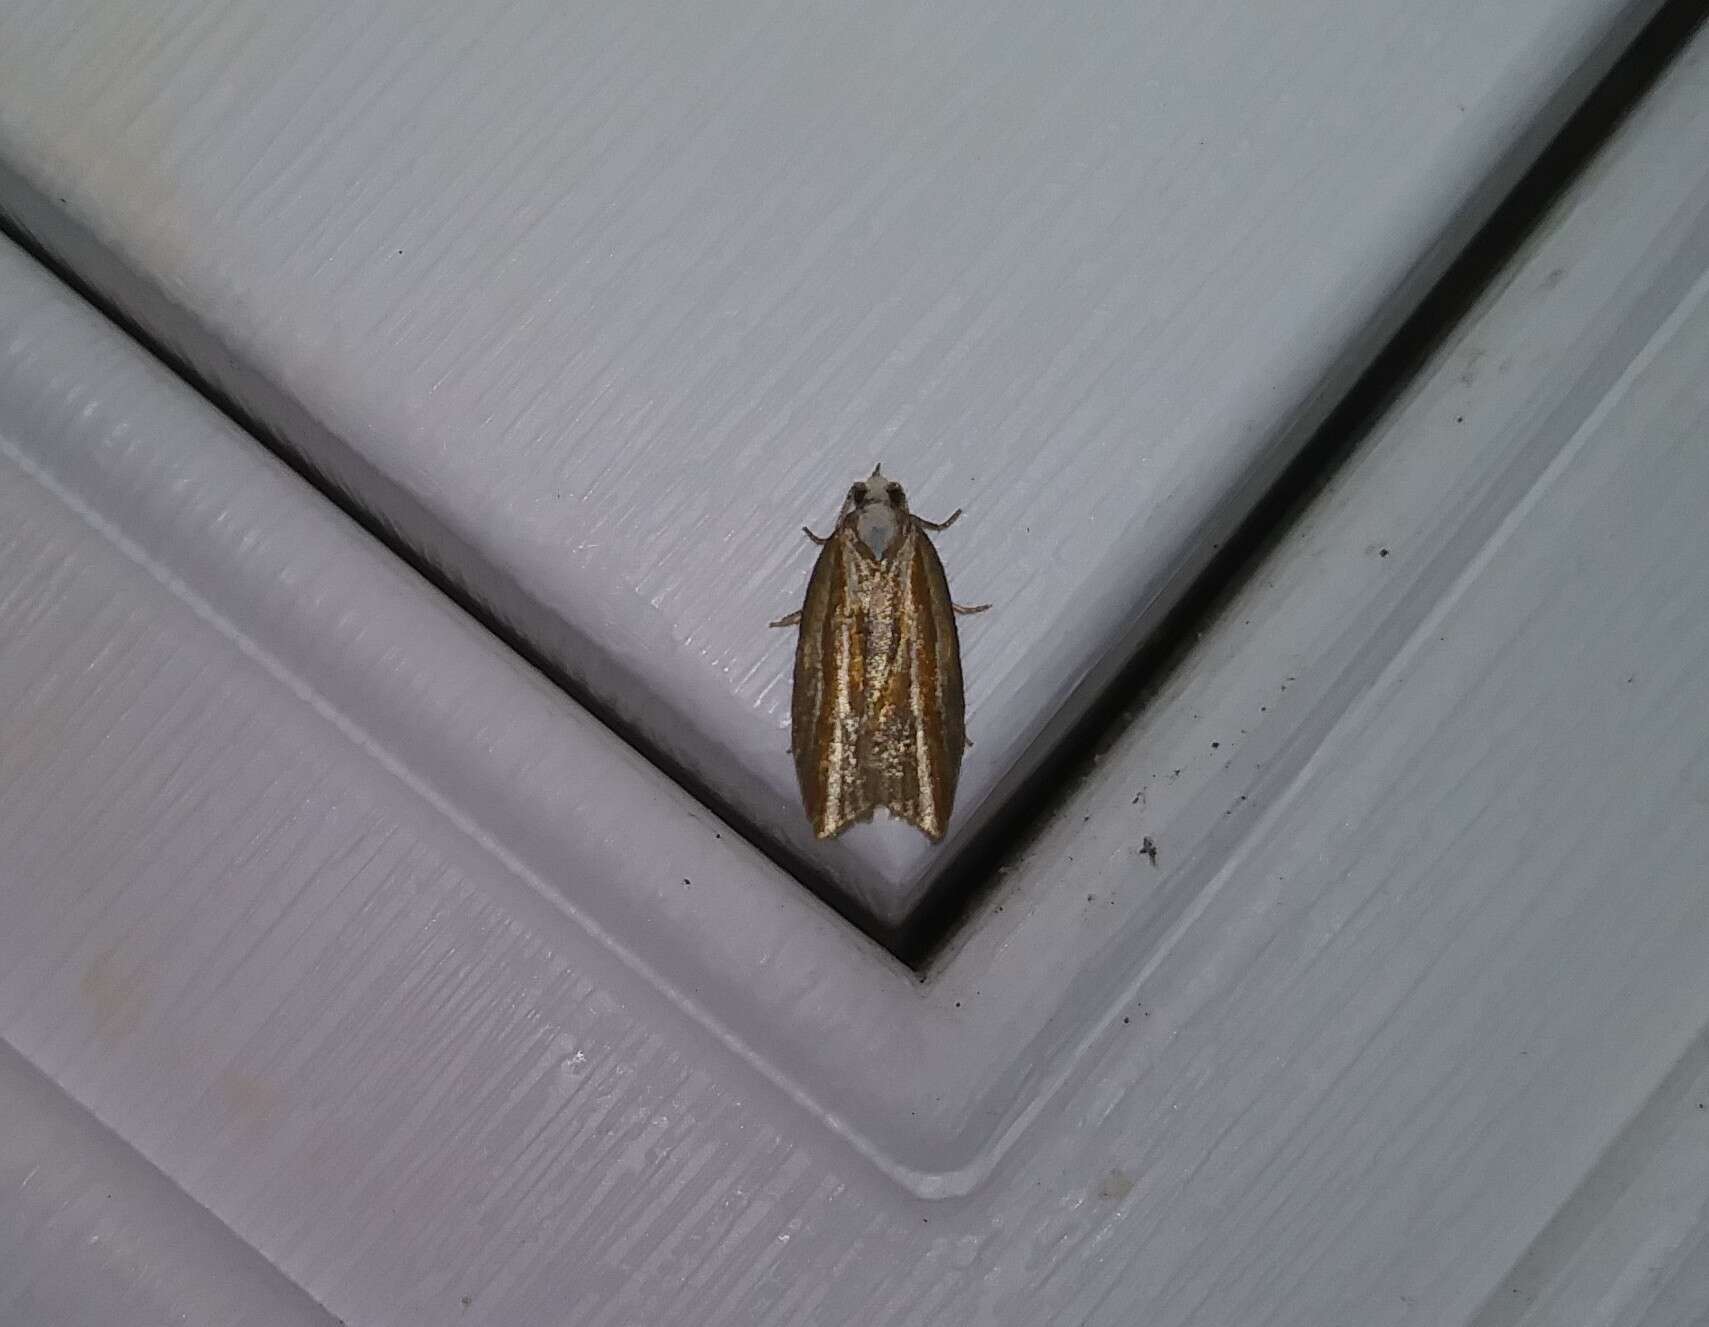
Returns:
(878, 716)
(917, 716)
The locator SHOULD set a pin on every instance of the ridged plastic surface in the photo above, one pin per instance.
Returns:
(455, 1011)
(597, 306)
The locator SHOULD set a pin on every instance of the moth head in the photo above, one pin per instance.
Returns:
(878, 509)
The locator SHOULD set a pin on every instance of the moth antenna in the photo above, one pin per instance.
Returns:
(819, 539)
(967, 610)
(793, 620)
(954, 516)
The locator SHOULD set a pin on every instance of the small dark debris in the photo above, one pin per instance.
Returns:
(1126, 1019)
(1115, 1186)
(687, 881)
(1382, 552)
(1148, 849)
(1215, 745)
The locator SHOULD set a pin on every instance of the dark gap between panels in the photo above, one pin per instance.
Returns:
(804, 871)
(968, 880)
(972, 877)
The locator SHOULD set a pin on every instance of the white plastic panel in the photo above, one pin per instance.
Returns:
(92, 1235)
(338, 917)
(597, 305)
(1632, 1245)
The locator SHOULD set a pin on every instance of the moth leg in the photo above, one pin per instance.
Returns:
(968, 610)
(944, 524)
(794, 619)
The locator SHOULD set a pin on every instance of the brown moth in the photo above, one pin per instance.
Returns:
(877, 718)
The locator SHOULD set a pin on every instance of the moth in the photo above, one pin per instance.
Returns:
(878, 718)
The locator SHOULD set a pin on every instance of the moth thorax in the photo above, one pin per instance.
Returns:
(876, 525)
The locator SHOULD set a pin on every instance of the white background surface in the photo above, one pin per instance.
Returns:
(1419, 1038)
(91, 1233)
(598, 305)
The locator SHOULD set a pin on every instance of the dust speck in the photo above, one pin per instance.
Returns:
(250, 1100)
(1115, 1186)
(117, 996)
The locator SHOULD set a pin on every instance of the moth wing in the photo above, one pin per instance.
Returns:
(827, 710)
(920, 717)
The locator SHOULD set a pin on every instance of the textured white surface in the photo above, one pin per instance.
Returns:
(597, 305)
(90, 1233)
(1374, 1051)
(1632, 1246)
